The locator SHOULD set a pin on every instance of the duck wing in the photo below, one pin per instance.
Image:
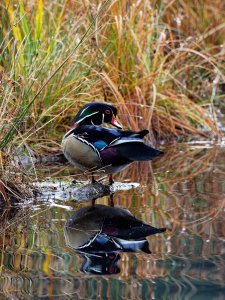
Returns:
(128, 150)
(116, 146)
(101, 137)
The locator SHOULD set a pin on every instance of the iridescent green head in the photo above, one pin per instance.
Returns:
(97, 113)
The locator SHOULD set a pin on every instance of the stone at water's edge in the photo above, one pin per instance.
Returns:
(83, 191)
(91, 191)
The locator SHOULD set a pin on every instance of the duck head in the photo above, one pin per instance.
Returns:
(97, 113)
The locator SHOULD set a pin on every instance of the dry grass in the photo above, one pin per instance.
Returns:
(160, 62)
(143, 56)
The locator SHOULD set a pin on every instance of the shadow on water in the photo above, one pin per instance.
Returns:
(44, 256)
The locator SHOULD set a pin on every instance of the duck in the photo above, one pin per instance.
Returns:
(93, 148)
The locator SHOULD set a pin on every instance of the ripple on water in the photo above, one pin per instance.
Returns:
(183, 191)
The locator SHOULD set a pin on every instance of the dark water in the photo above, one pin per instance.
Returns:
(184, 191)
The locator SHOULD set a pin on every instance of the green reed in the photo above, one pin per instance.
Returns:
(154, 60)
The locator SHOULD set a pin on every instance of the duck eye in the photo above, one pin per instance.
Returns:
(107, 111)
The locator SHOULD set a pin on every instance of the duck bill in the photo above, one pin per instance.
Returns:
(115, 123)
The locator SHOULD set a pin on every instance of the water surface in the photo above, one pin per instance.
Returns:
(183, 191)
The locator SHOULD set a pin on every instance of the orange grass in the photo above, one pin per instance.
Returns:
(160, 62)
(163, 74)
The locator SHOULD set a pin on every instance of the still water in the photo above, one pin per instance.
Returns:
(42, 244)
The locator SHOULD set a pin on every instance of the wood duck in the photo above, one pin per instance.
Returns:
(94, 148)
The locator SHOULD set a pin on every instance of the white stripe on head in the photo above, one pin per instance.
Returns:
(94, 113)
(84, 110)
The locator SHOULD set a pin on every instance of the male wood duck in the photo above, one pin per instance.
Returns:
(94, 148)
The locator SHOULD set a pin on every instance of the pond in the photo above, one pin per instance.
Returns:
(184, 191)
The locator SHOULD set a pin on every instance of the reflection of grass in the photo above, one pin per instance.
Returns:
(184, 177)
(184, 162)
(161, 75)
(35, 248)
(183, 189)
(188, 200)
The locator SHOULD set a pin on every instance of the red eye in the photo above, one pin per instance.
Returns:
(107, 111)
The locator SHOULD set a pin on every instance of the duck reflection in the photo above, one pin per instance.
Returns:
(100, 232)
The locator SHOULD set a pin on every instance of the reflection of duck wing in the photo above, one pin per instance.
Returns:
(128, 227)
(113, 221)
(133, 246)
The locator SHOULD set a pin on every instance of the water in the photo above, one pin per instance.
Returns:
(184, 191)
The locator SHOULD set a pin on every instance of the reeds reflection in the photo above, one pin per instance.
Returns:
(183, 192)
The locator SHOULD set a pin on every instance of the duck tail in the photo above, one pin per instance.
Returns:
(138, 151)
(142, 133)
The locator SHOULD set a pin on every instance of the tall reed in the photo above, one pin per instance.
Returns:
(161, 63)
(141, 55)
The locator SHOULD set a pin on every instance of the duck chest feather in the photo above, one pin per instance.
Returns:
(80, 153)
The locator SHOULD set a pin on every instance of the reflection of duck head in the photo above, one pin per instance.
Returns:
(103, 229)
(101, 263)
